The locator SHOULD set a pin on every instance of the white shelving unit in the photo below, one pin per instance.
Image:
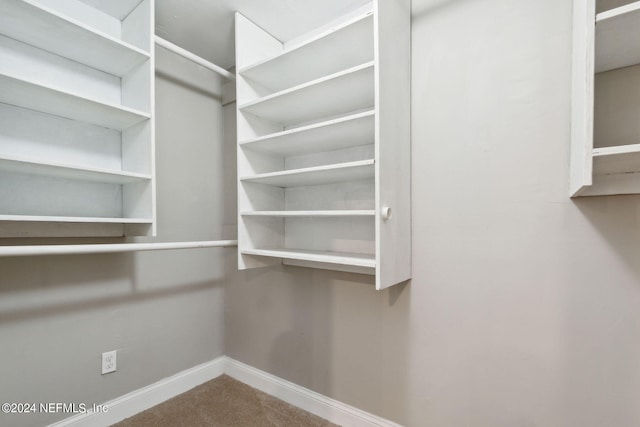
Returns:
(76, 118)
(605, 147)
(324, 144)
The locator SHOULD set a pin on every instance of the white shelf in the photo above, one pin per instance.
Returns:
(33, 218)
(339, 48)
(336, 94)
(618, 38)
(622, 159)
(47, 99)
(351, 171)
(350, 131)
(39, 26)
(69, 172)
(358, 260)
(312, 214)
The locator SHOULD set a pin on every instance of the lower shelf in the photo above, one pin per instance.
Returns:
(358, 260)
(72, 219)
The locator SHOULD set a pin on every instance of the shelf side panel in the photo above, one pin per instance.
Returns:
(252, 45)
(582, 96)
(392, 41)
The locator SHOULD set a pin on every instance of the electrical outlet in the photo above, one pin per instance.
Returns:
(109, 362)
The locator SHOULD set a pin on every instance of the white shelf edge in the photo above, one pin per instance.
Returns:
(301, 129)
(618, 11)
(83, 27)
(359, 260)
(326, 213)
(101, 220)
(140, 115)
(69, 171)
(618, 149)
(301, 46)
(33, 250)
(290, 172)
(315, 82)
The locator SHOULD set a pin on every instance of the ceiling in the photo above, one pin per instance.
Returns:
(205, 27)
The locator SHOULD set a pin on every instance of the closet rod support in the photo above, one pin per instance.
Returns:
(194, 58)
(104, 248)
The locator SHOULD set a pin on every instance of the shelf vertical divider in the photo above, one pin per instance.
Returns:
(392, 50)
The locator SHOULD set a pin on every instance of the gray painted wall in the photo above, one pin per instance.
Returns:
(162, 311)
(524, 308)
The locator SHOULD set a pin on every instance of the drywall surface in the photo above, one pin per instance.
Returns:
(162, 311)
(524, 308)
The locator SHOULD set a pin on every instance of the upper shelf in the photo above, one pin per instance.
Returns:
(39, 26)
(8, 164)
(349, 131)
(341, 47)
(339, 93)
(351, 171)
(25, 94)
(617, 41)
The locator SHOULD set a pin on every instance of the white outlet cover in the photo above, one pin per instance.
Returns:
(109, 362)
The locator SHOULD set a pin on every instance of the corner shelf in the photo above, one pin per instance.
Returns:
(617, 43)
(357, 260)
(349, 131)
(351, 171)
(327, 114)
(47, 29)
(344, 46)
(332, 95)
(311, 214)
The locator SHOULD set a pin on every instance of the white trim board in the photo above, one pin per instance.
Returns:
(147, 397)
(139, 400)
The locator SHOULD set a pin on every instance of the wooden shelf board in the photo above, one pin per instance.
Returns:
(621, 159)
(34, 218)
(50, 100)
(332, 95)
(69, 172)
(351, 171)
(617, 41)
(360, 260)
(39, 26)
(348, 131)
(329, 213)
(341, 47)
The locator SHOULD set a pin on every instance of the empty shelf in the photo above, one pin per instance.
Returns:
(351, 171)
(342, 47)
(333, 95)
(344, 132)
(31, 23)
(69, 172)
(47, 99)
(617, 40)
(300, 214)
(72, 219)
(616, 160)
(360, 260)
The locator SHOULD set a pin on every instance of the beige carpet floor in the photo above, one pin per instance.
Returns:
(224, 402)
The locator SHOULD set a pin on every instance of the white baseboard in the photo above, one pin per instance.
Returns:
(154, 394)
(316, 403)
(147, 397)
